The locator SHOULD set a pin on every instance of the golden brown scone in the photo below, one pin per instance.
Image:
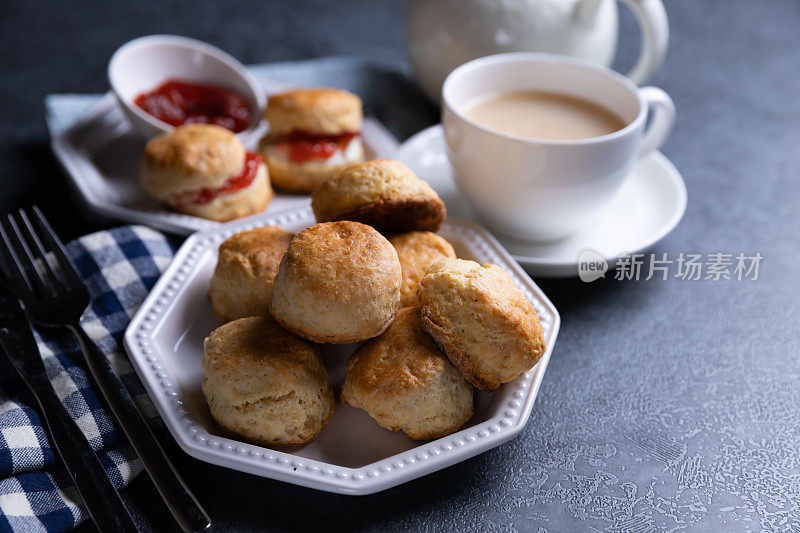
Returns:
(321, 111)
(403, 381)
(242, 282)
(304, 177)
(481, 320)
(383, 193)
(417, 250)
(265, 384)
(338, 283)
(191, 168)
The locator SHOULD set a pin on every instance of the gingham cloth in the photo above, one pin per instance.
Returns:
(119, 266)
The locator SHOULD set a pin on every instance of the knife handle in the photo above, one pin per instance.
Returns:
(101, 499)
(184, 507)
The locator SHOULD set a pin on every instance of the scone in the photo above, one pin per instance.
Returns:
(241, 285)
(265, 384)
(481, 320)
(338, 283)
(383, 193)
(403, 381)
(204, 170)
(313, 134)
(417, 250)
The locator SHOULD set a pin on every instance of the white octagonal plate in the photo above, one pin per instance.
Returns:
(352, 455)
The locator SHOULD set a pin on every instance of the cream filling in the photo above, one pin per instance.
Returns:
(353, 153)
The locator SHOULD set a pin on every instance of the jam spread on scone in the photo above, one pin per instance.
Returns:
(178, 102)
(300, 147)
(236, 183)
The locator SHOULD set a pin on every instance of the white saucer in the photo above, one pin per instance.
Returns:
(647, 207)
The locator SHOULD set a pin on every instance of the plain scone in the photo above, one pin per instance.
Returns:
(265, 384)
(241, 285)
(418, 250)
(383, 193)
(195, 158)
(404, 382)
(481, 320)
(339, 282)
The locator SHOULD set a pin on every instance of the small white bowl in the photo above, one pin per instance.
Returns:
(143, 64)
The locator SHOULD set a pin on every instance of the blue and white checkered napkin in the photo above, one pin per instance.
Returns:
(36, 494)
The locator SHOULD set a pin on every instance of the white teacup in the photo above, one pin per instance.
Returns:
(537, 189)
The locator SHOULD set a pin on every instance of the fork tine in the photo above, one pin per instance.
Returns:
(39, 249)
(16, 273)
(26, 259)
(5, 266)
(53, 245)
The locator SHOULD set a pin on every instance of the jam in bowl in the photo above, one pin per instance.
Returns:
(162, 81)
(179, 102)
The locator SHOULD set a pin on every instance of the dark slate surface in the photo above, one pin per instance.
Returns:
(666, 405)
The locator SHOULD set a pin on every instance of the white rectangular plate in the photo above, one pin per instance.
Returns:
(352, 455)
(101, 152)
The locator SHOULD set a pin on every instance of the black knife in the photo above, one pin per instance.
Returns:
(100, 498)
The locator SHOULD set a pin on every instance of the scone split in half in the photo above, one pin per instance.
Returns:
(204, 170)
(265, 384)
(404, 382)
(313, 134)
(481, 320)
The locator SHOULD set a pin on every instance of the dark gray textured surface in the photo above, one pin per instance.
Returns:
(666, 405)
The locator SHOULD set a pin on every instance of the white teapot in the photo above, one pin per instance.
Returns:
(443, 34)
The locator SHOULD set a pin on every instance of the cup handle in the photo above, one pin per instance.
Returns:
(661, 111)
(655, 36)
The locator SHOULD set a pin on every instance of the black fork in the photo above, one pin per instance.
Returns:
(55, 296)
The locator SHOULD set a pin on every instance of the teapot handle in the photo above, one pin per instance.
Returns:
(655, 36)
